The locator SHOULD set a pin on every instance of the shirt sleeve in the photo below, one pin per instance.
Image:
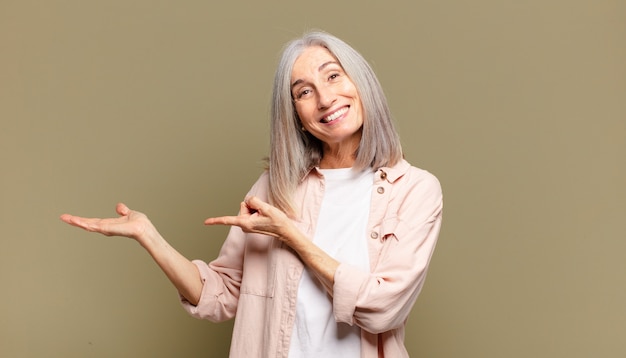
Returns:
(221, 281)
(381, 300)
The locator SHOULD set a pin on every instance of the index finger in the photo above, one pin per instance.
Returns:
(223, 220)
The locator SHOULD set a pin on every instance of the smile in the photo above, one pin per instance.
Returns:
(331, 117)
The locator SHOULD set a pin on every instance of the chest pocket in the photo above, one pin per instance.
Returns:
(259, 270)
(391, 231)
(393, 228)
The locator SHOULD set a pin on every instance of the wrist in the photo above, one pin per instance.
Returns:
(149, 238)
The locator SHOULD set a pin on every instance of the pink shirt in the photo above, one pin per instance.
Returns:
(255, 277)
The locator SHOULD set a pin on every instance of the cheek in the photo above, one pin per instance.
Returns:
(350, 89)
(303, 114)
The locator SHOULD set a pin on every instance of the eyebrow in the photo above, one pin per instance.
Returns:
(319, 69)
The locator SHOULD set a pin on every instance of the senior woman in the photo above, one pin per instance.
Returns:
(331, 245)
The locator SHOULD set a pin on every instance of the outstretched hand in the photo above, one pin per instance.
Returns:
(130, 223)
(256, 216)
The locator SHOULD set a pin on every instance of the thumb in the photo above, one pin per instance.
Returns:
(254, 203)
(122, 209)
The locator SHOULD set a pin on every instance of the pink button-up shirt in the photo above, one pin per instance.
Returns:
(255, 277)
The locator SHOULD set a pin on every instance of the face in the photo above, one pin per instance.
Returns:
(326, 99)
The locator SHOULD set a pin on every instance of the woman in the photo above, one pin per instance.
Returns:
(331, 245)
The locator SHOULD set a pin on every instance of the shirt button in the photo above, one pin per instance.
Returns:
(380, 190)
(374, 235)
(383, 175)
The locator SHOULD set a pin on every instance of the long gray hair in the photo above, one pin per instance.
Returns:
(294, 152)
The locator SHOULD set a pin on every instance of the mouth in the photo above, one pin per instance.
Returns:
(333, 116)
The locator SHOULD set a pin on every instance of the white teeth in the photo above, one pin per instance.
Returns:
(335, 115)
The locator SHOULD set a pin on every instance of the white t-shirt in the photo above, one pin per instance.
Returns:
(340, 233)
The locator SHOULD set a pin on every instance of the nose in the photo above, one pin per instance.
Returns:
(325, 97)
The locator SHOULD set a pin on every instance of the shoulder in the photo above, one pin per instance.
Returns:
(424, 178)
(260, 188)
(418, 194)
(406, 175)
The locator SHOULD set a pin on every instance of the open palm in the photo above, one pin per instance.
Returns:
(130, 223)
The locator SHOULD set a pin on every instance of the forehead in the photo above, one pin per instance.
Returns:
(311, 60)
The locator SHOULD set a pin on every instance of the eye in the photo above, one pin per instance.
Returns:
(333, 76)
(303, 93)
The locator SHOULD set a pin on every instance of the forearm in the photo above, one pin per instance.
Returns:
(183, 274)
(321, 264)
(260, 217)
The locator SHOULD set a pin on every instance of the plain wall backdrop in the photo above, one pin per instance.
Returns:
(519, 108)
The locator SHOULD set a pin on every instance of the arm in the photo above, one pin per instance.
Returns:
(260, 217)
(135, 225)
(377, 301)
(381, 300)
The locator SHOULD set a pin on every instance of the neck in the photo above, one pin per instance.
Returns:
(341, 154)
(329, 162)
(338, 157)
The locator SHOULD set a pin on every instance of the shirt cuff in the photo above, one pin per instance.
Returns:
(195, 310)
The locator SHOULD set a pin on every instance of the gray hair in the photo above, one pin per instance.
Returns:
(294, 152)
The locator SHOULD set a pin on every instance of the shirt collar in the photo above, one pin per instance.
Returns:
(392, 173)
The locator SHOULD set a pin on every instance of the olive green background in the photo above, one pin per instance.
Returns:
(519, 107)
